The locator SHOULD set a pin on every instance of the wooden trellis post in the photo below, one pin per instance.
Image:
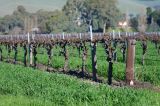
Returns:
(130, 61)
(30, 50)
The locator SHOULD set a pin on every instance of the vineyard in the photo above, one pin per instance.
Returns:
(121, 60)
(84, 53)
(93, 56)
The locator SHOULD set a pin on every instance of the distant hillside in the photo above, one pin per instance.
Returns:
(130, 6)
(8, 6)
(137, 6)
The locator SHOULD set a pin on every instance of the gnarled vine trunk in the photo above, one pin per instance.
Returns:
(25, 55)
(49, 53)
(94, 61)
(1, 58)
(109, 54)
(65, 57)
(15, 53)
(9, 52)
(84, 57)
(35, 55)
(144, 47)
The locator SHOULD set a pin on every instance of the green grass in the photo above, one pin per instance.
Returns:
(26, 86)
(151, 70)
(11, 100)
(147, 73)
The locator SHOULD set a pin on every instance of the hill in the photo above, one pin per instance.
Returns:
(8, 6)
(130, 6)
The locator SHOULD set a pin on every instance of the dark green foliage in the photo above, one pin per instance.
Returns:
(100, 14)
(134, 23)
(153, 19)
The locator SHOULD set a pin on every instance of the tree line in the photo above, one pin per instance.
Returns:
(76, 16)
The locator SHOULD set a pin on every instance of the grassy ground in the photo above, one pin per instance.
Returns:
(25, 86)
(148, 73)
(12, 100)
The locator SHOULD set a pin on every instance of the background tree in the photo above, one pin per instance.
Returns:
(156, 17)
(74, 11)
(153, 19)
(149, 15)
(98, 13)
(134, 23)
(142, 23)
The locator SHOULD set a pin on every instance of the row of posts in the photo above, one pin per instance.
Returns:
(129, 62)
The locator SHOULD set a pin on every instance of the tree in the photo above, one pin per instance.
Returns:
(21, 9)
(42, 19)
(98, 13)
(149, 15)
(156, 16)
(104, 12)
(134, 23)
(74, 10)
(142, 23)
(153, 19)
